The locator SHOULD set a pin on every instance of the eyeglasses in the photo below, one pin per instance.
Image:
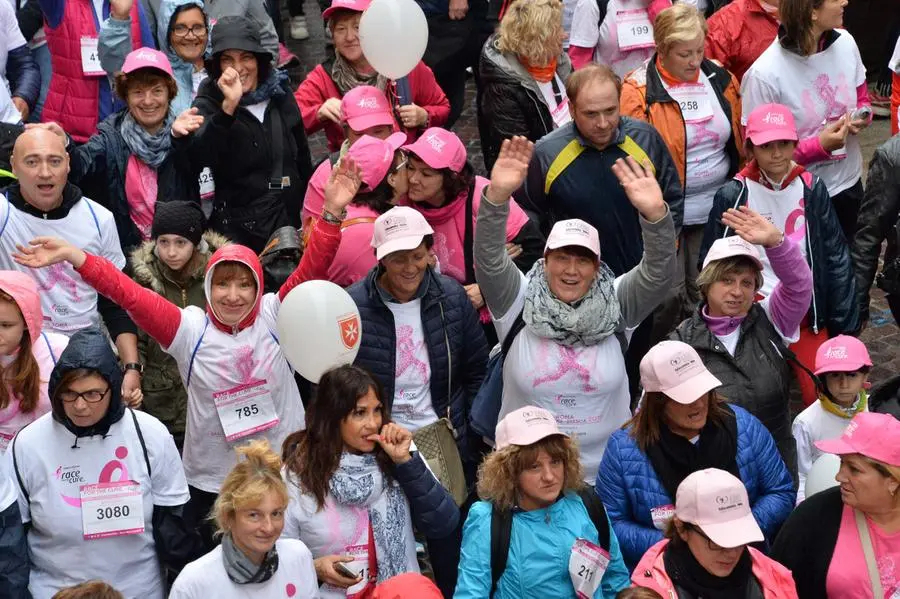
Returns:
(91, 396)
(183, 30)
(711, 545)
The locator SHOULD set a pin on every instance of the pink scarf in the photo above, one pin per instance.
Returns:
(140, 191)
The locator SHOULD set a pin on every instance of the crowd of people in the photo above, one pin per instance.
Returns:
(624, 363)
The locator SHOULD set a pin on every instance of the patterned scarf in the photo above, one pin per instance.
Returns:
(345, 77)
(243, 571)
(359, 481)
(588, 321)
(268, 89)
(151, 148)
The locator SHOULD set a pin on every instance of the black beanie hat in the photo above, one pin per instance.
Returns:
(178, 218)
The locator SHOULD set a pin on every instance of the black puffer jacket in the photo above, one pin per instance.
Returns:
(510, 101)
(448, 319)
(756, 377)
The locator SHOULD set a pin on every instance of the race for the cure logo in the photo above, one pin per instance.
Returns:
(393, 224)
(838, 352)
(70, 475)
(148, 56)
(851, 428)
(370, 103)
(774, 118)
(726, 503)
(436, 143)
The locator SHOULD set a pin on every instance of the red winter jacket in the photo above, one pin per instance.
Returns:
(406, 586)
(73, 100)
(318, 87)
(738, 34)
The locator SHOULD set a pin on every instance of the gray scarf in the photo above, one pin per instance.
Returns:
(243, 571)
(346, 78)
(588, 321)
(359, 481)
(151, 148)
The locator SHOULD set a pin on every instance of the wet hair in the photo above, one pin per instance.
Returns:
(312, 456)
(796, 18)
(647, 421)
(677, 24)
(178, 10)
(92, 589)
(23, 375)
(146, 76)
(257, 473)
(530, 29)
(498, 475)
(228, 270)
(590, 73)
(717, 270)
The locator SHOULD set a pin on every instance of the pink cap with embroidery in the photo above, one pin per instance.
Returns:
(842, 354)
(771, 122)
(366, 106)
(374, 157)
(871, 434)
(147, 58)
(439, 148)
(354, 5)
(728, 247)
(675, 369)
(573, 232)
(400, 228)
(716, 502)
(525, 426)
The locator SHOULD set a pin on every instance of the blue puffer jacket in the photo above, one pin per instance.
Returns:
(433, 511)
(448, 318)
(629, 487)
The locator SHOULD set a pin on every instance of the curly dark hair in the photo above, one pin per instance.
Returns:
(147, 76)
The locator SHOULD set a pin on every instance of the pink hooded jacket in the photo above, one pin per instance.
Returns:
(46, 348)
(776, 580)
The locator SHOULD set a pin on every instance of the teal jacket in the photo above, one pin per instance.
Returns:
(539, 549)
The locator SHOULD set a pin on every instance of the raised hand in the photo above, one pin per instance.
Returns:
(120, 9)
(752, 227)
(641, 187)
(187, 122)
(343, 185)
(510, 169)
(230, 84)
(46, 251)
(395, 441)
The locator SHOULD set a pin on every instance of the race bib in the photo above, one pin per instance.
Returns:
(5, 440)
(207, 185)
(112, 509)
(561, 114)
(694, 102)
(90, 57)
(359, 566)
(634, 29)
(245, 410)
(661, 516)
(587, 565)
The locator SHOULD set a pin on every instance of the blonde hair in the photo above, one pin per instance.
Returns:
(717, 270)
(679, 23)
(885, 470)
(530, 29)
(257, 473)
(498, 475)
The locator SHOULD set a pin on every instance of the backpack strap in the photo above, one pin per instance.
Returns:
(602, 6)
(501, 531)
(517, 326)
(567, 156)
(469, 236)
(359, 220)
(22, 488)
(137, 427)
(597, 513)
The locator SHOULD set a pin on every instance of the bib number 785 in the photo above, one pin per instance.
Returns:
(247, 411)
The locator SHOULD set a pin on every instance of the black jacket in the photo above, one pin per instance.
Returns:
(756, 378)
(449, 322)
(806, 542)
(103, 159)
(511, 102)
(239, 151)
(23, 75)
(834, 305)
(878, 216)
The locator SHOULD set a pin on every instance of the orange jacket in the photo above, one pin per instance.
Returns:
(644, 97)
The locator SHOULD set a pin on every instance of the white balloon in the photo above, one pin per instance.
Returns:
(821, 475)
(393, 35)
(318, 328)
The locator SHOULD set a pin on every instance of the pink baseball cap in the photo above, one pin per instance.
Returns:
(771, 122)
(675, 368)
(870, 434)
(842, 354)
(728, 247)
(716, 502)
(354, 5)
(374, 157)
(525, 426)
(147, 58)
(400, 228)
(366, 106)
(573, 232)
(439, 148)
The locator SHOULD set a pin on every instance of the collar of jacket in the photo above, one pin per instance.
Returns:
(822, 44)
(429, 291)
(620, 135)
(506, 64)
(656, 91)
(70, 196)
(751, 172)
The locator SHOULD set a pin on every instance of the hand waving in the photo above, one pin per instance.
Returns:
(395, 441)
(510, 168)
(187, 122)
(641, 187)
(46, 251)
(230, 85)
(752, 227)
(120, 9)
(343, 185)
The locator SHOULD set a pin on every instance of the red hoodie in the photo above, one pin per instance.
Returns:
(411, 585)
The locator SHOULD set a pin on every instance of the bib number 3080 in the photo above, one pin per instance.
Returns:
(112, 509)
(587, 565)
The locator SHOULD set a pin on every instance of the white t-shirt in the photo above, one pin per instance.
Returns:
(53, 472)
(813, 424)
(894, 63)
(197, 77)
(784, 209)
(621, 15)
(295, 577)
(224, 362)
(8, 492)
(586, 388)
(412, 407)
(258, 110)
(707, 131)
(10, 39)
(69, 304)
(559, 110)
(817, 89)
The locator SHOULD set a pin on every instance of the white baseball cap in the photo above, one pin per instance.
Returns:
(716, 502)
(573, 232)
(400, 228)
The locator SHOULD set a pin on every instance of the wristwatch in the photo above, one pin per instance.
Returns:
(134, 366)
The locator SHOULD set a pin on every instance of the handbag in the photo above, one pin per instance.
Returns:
(869, 553)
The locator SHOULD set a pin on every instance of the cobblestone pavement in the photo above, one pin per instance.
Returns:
(882, 336)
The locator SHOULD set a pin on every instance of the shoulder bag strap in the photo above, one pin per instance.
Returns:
(501, 531)
(597, 513)
(140, 435)
(12, 448)
(869, 553)
(469, 237)
(276, 180)
(517, 326)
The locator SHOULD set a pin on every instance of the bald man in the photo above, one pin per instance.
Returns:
(44, 203)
